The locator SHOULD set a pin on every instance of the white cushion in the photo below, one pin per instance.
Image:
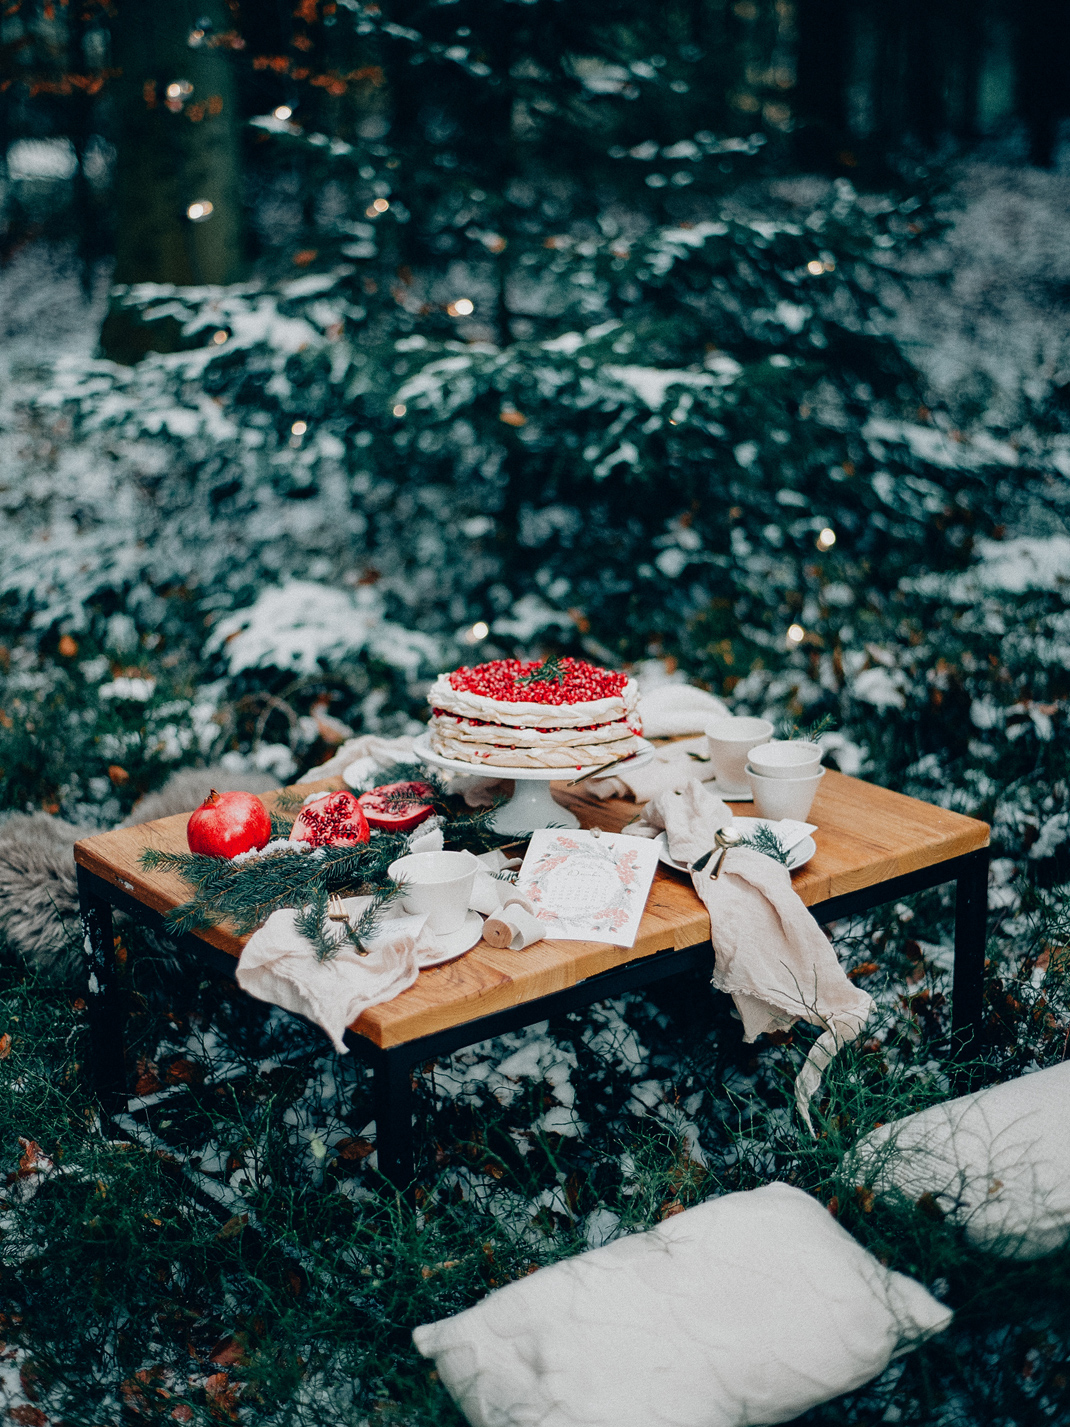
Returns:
(748, 1309)
(996, 1162)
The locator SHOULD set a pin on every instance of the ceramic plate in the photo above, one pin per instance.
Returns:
(800, 849)
(460, 941)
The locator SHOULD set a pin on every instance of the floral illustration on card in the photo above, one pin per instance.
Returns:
(588, 888)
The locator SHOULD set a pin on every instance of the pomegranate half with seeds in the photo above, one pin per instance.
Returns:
(397, 807)
(226, 824)
(331, 820)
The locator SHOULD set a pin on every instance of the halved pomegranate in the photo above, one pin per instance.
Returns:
(396, 807)
(331, 820)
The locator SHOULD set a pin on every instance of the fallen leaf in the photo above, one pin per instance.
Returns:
(233, 1226)
(5, 1046)
(222, 1394)
(866, 1198)
(354, 1149)
(867, 968)
(27, 1416)
(32, 1161)
(148, 1079)
(184, 1072)
(227, 1352)
(118, 775)
(182, 1413)
(67, 646)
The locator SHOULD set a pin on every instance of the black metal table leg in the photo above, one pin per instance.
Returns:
(392, 1095)
(102, 1001)
(971, 930)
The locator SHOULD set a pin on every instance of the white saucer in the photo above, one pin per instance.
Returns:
(799, 853)
(739, 795)
(458, 942)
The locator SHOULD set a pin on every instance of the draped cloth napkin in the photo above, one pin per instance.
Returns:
(771, 957)
(279, 965)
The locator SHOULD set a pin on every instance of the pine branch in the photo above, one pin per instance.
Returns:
(246, 893)
(550, 670)
(809, 732)
(764, 840)
(327, 941)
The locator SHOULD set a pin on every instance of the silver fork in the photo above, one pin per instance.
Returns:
(335, 910)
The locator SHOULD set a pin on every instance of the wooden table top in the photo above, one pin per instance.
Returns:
(865, 835)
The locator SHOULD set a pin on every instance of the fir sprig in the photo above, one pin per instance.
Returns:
(327, 942)
(763, 839)
(550, 670)
(246, 893)
(787, 728)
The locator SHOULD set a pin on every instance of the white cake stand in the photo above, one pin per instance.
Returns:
(532, 805)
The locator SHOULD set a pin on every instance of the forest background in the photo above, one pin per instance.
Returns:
(405, 334)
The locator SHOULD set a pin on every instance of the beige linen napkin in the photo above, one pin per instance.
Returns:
(279, 965)
(772, 958)
(671, 767)
(690, 816)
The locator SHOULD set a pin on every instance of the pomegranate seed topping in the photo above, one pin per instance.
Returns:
(580, 682)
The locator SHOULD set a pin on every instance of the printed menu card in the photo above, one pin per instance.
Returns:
(586, 887)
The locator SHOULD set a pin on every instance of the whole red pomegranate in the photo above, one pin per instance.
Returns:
(228, 823)
(331, 820)
(396, 807)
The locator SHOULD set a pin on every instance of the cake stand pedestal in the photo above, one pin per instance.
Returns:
(532, 805)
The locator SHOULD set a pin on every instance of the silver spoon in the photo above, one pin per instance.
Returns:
(724, 837)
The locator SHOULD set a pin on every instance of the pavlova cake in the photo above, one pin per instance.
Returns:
(553, 713)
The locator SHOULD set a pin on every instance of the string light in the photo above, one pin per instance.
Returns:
(220, 337)
(816, 266)
(463, 307)
(400, 409)
(826, 538)
(199, 211)
(480, 630)
(284, 112)
(796, 634)
(299, 428)
(380, 205)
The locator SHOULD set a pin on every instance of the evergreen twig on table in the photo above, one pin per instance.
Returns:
(310, 922)
(763, 839)
(246, 893)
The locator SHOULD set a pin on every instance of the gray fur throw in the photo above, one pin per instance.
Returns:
(38, 890)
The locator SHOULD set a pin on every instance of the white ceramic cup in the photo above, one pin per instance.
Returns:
(786, 758)
(777, 798)
(438, 884)
(730, 740)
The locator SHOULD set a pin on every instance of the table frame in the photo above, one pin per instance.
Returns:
(392, 1066)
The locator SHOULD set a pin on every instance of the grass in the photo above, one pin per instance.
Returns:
(245, 1262)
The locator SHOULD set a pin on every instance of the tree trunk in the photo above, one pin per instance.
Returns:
(174, 151)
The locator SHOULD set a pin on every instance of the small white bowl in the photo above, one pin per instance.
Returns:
(729, 740)
(777, 798)
(786, 758)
